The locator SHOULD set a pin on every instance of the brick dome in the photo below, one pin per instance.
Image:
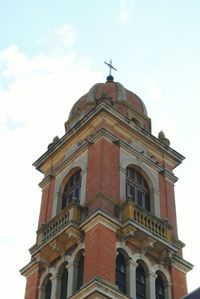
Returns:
(113, 92)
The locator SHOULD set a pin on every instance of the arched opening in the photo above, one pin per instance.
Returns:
(121, 273)
(80, 272)
(64, 284)
(72, 189)
(48, 288)
(159, 287)
(140, 282)
(137, 188)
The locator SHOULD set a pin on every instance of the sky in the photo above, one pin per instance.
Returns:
(51, 53)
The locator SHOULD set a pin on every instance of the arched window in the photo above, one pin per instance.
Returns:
(72, 189)
(121, 272)
(80, 271)
(140, 283)
(64, 282)
(137, 188)
(48, 289)
(160, 289)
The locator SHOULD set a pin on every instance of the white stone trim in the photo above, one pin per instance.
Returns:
(142, 257)
(80, 247)
(42, 285)
(151, 174)
(81, 163)
(167, 279)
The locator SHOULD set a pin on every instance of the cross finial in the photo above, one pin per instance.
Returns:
(111, 67)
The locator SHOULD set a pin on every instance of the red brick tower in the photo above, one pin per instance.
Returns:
(107, 225)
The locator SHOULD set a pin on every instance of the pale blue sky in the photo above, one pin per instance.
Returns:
(52, 52)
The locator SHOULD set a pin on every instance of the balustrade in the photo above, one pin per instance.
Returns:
(146, 220)
(72, 213)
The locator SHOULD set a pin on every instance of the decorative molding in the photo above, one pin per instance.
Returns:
(99, 217)
(30, 268)
(180, 264)
(99, 288)
(46, 181)
(75, 126)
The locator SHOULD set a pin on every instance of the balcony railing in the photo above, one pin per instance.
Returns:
(130, 211)
(71, 214)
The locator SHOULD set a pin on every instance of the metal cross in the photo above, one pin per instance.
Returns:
(109, 64)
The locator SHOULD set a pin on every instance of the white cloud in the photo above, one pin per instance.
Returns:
(59, 40)
(126, 10)
(39, 93)
(67, 35)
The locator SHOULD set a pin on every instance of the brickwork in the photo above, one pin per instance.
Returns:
(47, 202)
(171, 208)
(100, 254)
(103, 170)
(32, 286)
(179, 286)
(167, 202)
(138, 232)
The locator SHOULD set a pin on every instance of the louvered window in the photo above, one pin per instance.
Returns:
(121, 273)
(64, 282)
(140, 283)
(160, 290)
(72, 189)
(48, 289)
(80, 272)
(137, 188)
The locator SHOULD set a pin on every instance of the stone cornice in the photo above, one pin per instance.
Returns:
(100, 217)
(132, 225)
(30, 268)
(99, 288)
(45, 181)
(181, 264)
(169, 176)
(80, 123)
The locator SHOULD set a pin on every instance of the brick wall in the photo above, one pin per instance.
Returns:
(179, 286)
(100, 253)
(47, 202)
(167, 202)
(32, 286)
(103, 170)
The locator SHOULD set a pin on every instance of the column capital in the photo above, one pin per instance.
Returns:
(133, 263)
(152, 274)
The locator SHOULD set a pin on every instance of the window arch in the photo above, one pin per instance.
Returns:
(140, 282)
(48, 288)
(121, 272)
(159, 287)
(72, 189)
(137, 188)
(64, 284)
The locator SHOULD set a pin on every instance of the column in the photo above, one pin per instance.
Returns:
(83, 186)
(70, 287)
(54, 288)
(122, 183)
(41, 292)
(151, 292)
(168, 290)
(57, 203)
(132, 278)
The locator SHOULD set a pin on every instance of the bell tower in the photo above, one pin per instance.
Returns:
(107, 225)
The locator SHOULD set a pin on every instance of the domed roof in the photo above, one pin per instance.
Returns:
(111, 91)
